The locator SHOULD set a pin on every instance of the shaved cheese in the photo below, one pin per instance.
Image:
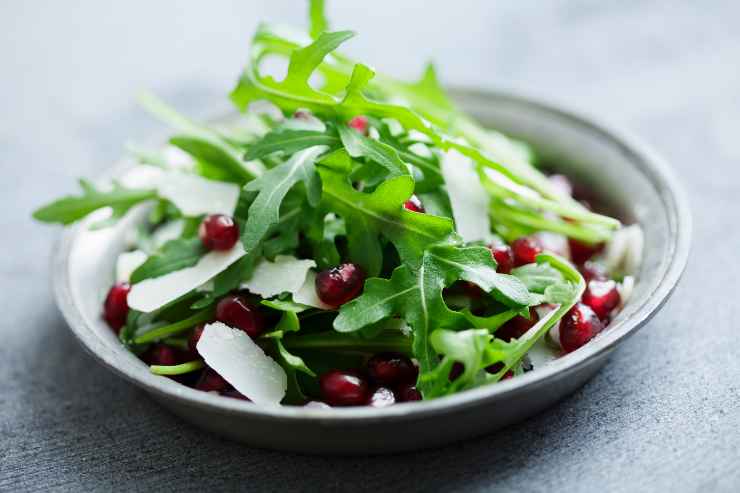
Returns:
(178, 159)
(285, 275)
(242, 363)
(625, 289)
(150, 294)
(623, 252)
(306, 295)
(554, 242)
(168, 231)
(505, 182)
(468, 198)
(128, 262)
(195, 195)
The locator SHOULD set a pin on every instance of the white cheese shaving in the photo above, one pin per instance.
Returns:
(150, 294)
(306, 294)
(242, 363)
(178, 159)
(505, 182)
(195, 195)
(285, 275)
(143, 176)
(554, 242)
(625, 289)
(128, 262)
(168, 231)
(623, 252)
(468, 198)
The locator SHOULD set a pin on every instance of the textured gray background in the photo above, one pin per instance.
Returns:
(665, 413)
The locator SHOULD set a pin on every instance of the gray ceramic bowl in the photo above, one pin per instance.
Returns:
(626, 174)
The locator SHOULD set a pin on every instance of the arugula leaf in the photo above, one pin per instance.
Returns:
(417, 295)
(358, 145)
(273, 186)
(317, 17)
(368, 215)
(289, 142)
(537, 277)
(73, 208)
(174, 255)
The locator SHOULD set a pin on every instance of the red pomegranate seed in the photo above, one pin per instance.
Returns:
(360, 124)
(382, 397)
(392, 369)
(161, 354)
(509, 374)
(413, 204)
(218, 232)
(517, 326)
(494, 368)
(211, 381)
(195, 337)
(471, 290)
(525, 250)
(237, 312)
(504, 257)
(407, 393)
(591, 271)
(338, 285)
(115, 308)
(580, 251)
(456, 370)
(602, 297)
(343, 388)
(578, 326)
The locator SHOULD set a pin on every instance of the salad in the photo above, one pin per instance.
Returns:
(349, 239)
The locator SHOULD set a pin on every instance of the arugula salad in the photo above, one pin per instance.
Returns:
(349, 239)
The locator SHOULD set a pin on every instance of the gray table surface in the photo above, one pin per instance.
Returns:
(664, 413)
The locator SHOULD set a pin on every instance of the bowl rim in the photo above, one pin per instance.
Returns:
(650, 164)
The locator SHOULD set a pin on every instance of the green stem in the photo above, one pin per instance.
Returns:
(180, 369)
(507, 214)
(175, 328)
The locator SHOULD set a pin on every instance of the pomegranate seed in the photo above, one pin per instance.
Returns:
(504, 257)
(471, 290)
(591, 271)
(509, 374)
(195, 337)
(562, 183)
(456, 370)
(115, 308)
(408, 393)
(392, 369)
(161, 354)
(580, 251)
(602, 297)
(525, 250)
(338, 285)
(578, 326)
(237, 312)
(211, 381)
(382, 397)
(343, 388)
(413, 204)
(317, 404)
(360, 124)
(218, 232)
(494, 368)
(517, 326)
(302, 115)
(235, 394)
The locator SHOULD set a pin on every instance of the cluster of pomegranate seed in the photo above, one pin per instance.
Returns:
(580, 252)
(578, 326)
(218, 232)
(388, 378)
(340, 284)
(413, 204)
(359, 123)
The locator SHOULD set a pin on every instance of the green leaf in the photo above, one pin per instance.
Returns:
(70, 209)
(537, 277)
(368, 215)
(289, 142)
(295, 362)
(174, 255)
(417, 295)
(316, 14)
(358, 145)
(273, 186)
(284, 305)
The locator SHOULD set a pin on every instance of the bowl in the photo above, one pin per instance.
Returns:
(629, 177)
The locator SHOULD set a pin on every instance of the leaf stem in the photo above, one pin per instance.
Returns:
(175, 328)
(180, 369)
(341, 342)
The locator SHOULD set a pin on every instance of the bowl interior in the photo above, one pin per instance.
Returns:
(628, 178)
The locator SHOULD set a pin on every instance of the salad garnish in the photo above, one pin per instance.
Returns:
(349, 239)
